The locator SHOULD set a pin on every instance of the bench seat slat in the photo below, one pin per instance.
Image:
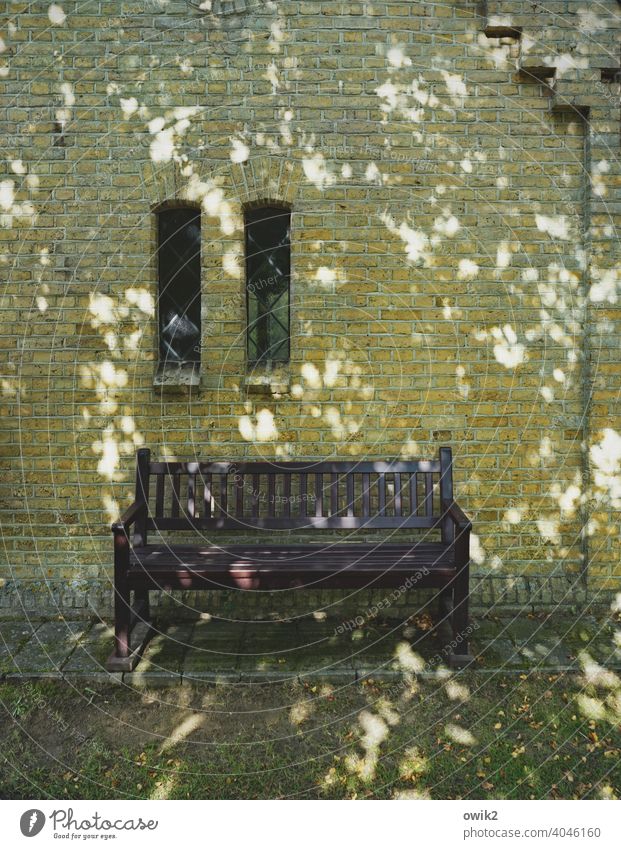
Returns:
(301, 557)
(298, 557)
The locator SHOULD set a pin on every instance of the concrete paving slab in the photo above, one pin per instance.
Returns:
(213, 650)
(213, 653)
(49, 647)
(13, 637)
(270, 651)
(521, 629)
(549, 653)
(91, 650)
(163, 658)
(323, 651)
(499, 654)
(87, 660)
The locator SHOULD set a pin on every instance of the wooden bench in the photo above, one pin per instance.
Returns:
(365, 505)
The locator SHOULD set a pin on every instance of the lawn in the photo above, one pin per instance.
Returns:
(473, 735)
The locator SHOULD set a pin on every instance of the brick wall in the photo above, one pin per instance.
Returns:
(453, 171)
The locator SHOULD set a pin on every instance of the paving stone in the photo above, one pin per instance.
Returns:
(374, 653)
(162, 660)
(549, 653)
(521, 630)
(13, 636)
(596, 638)
(542, 643)
(322, 652)
(498, 654)
(487, 630)
(88, 659)
(48, 648)
(92, 650)
(389, 652)
(271, 651)
(214, 648)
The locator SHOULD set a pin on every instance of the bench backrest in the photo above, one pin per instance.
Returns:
(251, 496)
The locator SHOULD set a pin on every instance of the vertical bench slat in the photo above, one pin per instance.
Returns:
(350, 494)
(143, 475)
(381, 483)
(287, 494)
(176, 493)
(397, 494)
(256, 483)
(224, 495)
(318, 495)
(192, 496)
(366, 495)
(413, 494)
(334, 494)
(428, 493)
(303, 489)
(446, 493)
(271, 495)
(207, 497)
(159, 496)
(239, 496)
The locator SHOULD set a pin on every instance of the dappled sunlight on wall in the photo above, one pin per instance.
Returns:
(442, 275)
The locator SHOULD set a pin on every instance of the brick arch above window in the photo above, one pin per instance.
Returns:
(266, 180)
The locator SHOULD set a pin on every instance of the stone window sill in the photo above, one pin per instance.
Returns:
(268, 382)
(173, 375)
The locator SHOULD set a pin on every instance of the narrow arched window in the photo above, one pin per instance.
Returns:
(268, 276)
(179, 297)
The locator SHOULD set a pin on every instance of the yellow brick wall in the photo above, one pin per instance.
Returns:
(445, 245)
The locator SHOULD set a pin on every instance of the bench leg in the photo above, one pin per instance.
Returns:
(460, 654)
(132, 628)
(122, 617)
(141, 609)
(445, 605)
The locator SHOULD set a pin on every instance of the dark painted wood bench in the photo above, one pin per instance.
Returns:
(370, 505)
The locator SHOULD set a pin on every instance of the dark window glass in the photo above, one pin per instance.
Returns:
(179, 262)
(268, 272)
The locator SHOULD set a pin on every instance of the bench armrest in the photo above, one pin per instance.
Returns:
(459, 518)
(128, 518)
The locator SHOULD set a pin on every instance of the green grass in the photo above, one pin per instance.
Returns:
(470, 736)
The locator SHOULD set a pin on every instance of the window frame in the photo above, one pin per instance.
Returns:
(167, 365)
(249, 210)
